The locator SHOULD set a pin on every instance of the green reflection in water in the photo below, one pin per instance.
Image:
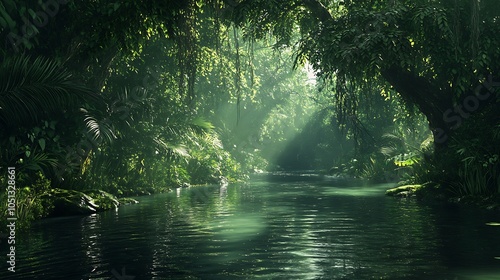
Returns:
(287, 230)
(238, 227)
(361, 190)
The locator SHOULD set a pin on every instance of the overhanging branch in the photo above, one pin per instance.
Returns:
(319, 10)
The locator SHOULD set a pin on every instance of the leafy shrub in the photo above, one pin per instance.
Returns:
(28, 205)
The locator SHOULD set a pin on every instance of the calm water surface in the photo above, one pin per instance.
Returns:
(268, 229)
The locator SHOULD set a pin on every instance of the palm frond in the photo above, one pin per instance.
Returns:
(388, 151)
(201, 124)
(214, 140)
(393, 137)
(99, 130)
(178, 150)
(38, 161)
(31, 89)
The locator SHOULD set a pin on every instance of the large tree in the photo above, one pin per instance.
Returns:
(439, 56)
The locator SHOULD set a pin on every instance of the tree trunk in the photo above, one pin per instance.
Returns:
(319, 10)
(430, 100)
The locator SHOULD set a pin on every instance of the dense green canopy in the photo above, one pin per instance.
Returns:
(167, 93)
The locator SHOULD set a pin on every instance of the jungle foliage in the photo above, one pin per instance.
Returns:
(138, 97)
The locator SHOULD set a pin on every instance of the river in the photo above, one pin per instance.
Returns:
(279, 227)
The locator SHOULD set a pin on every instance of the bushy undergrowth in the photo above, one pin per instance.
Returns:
(209, 162)
(202, 160)
(28, 206)
(469, 165)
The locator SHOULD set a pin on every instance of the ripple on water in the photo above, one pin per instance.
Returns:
(293, 230)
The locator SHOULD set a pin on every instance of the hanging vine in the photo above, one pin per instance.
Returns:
(250, 60)
(187, 38)
(474, 25)
(346, 101)
(237, 76)
(456, 28)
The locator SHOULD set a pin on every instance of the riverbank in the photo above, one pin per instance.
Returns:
(60, 202)
(29, 205)
(435, 193)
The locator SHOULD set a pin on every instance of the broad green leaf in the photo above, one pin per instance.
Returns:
(41, 142)
(53, 124)
(32, 13)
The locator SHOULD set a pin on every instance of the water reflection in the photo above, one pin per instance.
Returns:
(302, 230)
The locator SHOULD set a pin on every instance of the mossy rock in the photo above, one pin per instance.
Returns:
(127, 200)
(104, 200)
(68, 203)
(404, 191)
